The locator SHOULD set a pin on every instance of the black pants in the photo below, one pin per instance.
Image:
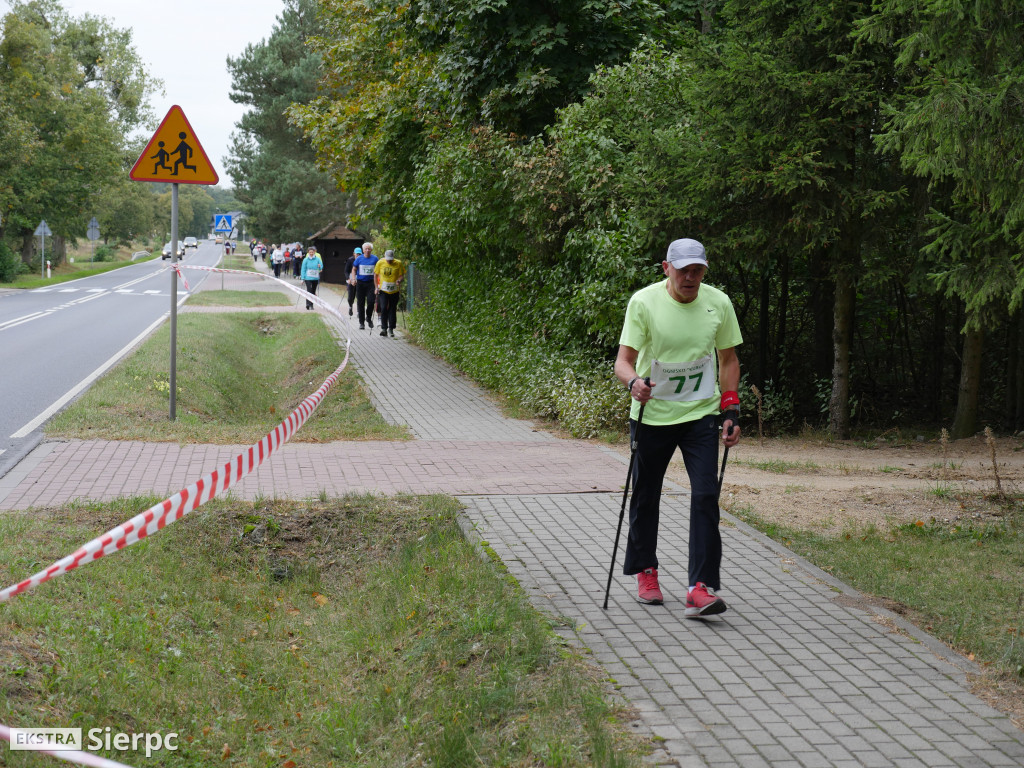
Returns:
(277, 269)
(698, 442)
(388, 309)
(351, 296)
(311, 286)
(364, 301)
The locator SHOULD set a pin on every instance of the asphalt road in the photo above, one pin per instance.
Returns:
(55, 341)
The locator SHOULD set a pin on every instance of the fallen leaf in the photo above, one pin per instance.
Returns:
(289, 764)
(320, 600)
(225, 753)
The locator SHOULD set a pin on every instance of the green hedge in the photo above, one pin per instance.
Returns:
(10, 264)
(483, 327)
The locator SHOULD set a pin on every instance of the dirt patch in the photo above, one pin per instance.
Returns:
(830, 487)
(23, 661)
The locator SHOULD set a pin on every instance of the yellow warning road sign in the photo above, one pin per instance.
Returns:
(174, 154)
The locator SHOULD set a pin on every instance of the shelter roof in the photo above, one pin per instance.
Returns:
(335, 231)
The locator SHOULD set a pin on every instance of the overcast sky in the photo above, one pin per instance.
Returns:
(186, 43)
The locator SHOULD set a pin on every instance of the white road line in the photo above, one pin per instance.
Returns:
(130, 283)
(95, 290)
(23, 319)
(42, 417)
(83, 299)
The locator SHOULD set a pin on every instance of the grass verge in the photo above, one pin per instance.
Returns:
(217, 298)
(238, 376)
(241, 259)
(67, 272)
(357, 631)
(959, 582)
(778, 466)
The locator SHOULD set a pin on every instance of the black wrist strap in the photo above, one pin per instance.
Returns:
(629, 387)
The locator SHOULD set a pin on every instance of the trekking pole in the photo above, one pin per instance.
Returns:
(725, 458)
(625, 494)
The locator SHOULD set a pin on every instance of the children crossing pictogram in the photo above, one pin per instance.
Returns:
(161, 158)
(184, 153)
(187, 163)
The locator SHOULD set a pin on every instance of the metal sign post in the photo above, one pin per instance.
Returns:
(174, 295)
(93, 233)
(42, 231)
(174, 155)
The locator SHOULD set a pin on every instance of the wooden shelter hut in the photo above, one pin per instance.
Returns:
(335, 242)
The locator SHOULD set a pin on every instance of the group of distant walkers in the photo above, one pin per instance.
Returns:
(373, 284)
(303, 264)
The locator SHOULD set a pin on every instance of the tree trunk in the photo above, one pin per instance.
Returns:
(707, 15)
(782, 313)
(28, 247)
(938, 359)
(60, 250)
(842, 339)
(1018, 353)
(966, 419)
(1012, 356)
(822, 297)
(763, 330)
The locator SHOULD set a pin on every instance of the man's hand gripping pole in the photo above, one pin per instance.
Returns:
(730, 415)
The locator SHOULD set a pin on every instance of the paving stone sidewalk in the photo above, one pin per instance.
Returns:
(800, 672)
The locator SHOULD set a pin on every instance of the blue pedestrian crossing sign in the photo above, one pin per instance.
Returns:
(221, 223)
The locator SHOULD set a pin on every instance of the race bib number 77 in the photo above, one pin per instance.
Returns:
(683, 382)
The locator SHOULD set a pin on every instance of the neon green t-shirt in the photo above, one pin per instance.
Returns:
(663, 329)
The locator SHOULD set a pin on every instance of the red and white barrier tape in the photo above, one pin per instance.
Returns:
(177, 269)
(191, 498)
(70, 755)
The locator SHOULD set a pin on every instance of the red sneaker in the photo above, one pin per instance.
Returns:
(648, 591)
(701, 602)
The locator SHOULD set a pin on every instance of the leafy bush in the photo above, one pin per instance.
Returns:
(485, 327)
(10, 264)
(104, 253)
(776, 404)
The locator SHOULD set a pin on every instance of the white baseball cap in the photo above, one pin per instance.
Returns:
(686, 252)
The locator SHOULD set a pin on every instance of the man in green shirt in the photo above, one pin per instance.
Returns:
(683, 335)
